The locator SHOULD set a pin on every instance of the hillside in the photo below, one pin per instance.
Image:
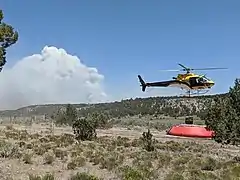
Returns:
(171, 106)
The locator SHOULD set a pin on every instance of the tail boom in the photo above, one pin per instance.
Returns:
(171, 83)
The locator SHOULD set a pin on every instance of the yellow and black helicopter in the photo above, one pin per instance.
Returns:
(191, 82)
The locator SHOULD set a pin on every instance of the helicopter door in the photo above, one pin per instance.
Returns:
(193, 81)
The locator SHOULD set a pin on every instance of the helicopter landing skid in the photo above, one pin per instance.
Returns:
(194, 92)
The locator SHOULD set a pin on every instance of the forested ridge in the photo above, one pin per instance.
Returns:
(173, 106)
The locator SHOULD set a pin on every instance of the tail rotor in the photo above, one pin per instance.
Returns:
(143, 84)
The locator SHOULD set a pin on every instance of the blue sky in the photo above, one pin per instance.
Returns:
(125, 38)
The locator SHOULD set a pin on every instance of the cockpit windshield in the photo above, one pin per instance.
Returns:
(203, 79)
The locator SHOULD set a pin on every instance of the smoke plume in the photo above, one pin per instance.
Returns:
(53, 76)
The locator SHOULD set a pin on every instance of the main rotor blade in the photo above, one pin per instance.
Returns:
(207, 68)
(190, 69)
(184, 67)
(173, 70)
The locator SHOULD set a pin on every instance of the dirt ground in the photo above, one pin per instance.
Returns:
(113, 132)
(17, 169)
(132, 133)
(124, 132)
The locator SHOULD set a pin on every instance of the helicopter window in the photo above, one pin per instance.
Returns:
(204, 79)
(201, 80)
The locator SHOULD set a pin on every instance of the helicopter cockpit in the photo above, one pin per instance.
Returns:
(196, 81)
(201, 80)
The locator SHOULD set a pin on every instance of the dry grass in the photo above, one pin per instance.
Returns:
(37, 156)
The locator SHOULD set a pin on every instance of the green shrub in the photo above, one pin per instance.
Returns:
(83, 176)
(84, 129)
(47, 176)
(27, 158)
(130, 173)
(148, 141)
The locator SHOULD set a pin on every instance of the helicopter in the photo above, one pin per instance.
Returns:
(192, 83)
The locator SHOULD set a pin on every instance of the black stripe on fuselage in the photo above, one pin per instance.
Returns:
(167, 83)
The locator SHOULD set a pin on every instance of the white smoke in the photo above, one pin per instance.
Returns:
(50, 77)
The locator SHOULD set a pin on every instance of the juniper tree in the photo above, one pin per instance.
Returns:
(223, 116)
(84, 129)
(71, 114)
(8, 37)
